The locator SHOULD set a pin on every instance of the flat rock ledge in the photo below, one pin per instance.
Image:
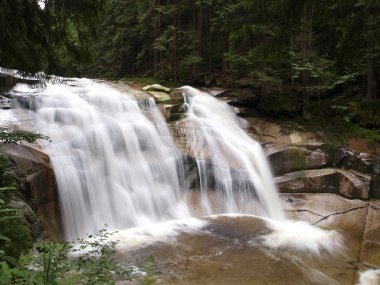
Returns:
(347, 183)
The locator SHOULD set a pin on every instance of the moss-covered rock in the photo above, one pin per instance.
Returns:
(290, 158)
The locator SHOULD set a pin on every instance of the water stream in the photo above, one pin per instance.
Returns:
(237, 163)
(112, 164)
(116, 164)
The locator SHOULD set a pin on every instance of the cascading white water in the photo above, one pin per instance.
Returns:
(112, 164)
(239, 167)
(115, 161)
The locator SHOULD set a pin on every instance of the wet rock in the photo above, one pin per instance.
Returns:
(363, 162)
(346, 158)
(37, 230)
(26, 209)
(159, 97)
(370, 253)
(6, 81)
(349, 184)
(29, 216)
(4, 103)
(233, 250)
(342, 157)
(40, 185)
(156, 88)
(290, 158)
(158, 92)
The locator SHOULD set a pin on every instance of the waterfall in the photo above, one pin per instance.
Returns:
(227, 155)
(112, 164)
(116, 163)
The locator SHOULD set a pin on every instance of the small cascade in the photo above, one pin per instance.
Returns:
(235, 164)
(113, 165)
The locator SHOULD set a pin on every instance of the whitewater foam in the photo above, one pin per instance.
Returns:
(226, 155)
(370, 277)
(301, 236)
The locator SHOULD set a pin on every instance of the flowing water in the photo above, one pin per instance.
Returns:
(112, 164)
(236, 162)
(115, 163)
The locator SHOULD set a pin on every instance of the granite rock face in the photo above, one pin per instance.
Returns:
(349, 184)
(292, 158)
(40, 186)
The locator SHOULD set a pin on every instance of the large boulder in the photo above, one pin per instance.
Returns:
(159, 97)
(291, 158)
(6, 81)
(158, 92)
(40, 185)
(349, 184)
(348, 159)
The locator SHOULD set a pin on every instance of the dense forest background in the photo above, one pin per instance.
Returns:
(287, 52)
(314, 60)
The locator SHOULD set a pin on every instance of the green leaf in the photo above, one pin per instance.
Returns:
(2, 237)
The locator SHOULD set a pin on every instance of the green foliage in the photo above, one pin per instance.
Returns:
(152, 271)
(348, 121)
(15, 236)
(20, 136)
(368, 113)
(89, 261)
(346, 78)
(35, 39)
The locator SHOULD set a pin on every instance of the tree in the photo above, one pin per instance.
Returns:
(33, 38)
(359, 39)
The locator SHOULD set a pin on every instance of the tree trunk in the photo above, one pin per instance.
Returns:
(371, 79)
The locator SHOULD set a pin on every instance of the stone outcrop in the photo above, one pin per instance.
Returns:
(291, 158)
(349, 184)
(6, 81)
(40, 186)
(158, 92)
(156, 87)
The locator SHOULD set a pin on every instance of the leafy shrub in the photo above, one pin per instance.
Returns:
(15, 236)
(90, 261)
